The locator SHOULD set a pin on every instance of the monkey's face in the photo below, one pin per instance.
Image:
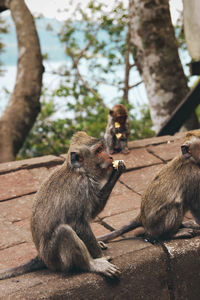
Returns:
(91, 160)
(103, 159)
(121, 119)
(191, 149)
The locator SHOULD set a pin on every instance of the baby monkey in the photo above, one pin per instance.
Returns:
(65, 204)
(117, 130)
(173, 191)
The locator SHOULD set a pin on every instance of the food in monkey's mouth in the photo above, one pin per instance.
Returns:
(116, 163)
(117, 125)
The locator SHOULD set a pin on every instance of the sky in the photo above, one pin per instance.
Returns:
(50, 8)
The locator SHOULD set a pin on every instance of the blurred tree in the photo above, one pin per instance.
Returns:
(24, 106)
(157, 59)
(3, 29)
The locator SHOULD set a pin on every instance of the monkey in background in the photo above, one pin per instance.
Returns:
(173, 191)
(65, 204)
(117, 130)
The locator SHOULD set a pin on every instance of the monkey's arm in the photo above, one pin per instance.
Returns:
(107, 188)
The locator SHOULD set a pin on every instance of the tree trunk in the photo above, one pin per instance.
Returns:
(24, 106)
(157, 59)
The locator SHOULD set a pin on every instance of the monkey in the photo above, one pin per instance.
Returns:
(117, 130)
(173, 191)
(64, 206)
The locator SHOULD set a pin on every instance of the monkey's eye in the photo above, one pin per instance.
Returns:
(185, 149)
(99, 150)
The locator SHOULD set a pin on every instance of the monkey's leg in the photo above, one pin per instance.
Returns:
(87, 236)
(124, 146)
(168, 225)
(190, 224)
(68, 251)
(165, 224)
(186, 233)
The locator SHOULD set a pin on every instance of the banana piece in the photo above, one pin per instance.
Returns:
(118, 135)
(116, 163)
(117, 125)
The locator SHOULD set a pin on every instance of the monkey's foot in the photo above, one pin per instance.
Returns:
(125, 150)
(186, 233)
(190, 224)
(103, 266)
(102, 245)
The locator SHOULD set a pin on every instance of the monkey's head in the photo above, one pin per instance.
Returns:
(191, 146)
(87, 155)
(119, 113)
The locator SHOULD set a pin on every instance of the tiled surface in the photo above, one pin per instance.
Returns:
(20, 180)
(146, 272)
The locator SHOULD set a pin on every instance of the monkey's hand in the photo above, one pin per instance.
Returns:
(119, 165)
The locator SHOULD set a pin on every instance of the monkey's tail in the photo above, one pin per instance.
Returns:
(33, 265)
(126, 228)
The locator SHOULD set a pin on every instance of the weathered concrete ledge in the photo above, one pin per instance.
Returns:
(168, 270)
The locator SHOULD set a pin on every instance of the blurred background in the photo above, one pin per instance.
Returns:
(90, 56)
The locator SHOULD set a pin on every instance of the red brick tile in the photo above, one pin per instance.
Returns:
(119, 189)
(12, 235)
(48, 160)
(98, 229)
(119, 220)
(150, 141)
(156, 140)
(121, 203)
(17, 184)
(138, 179)
(17, 209)
(137, 158)
(16, 255)
(167, 151)
(40, 174)
(25, 224)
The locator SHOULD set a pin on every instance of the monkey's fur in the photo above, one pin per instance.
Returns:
(173, 191)
(117, 130)
(66, 202)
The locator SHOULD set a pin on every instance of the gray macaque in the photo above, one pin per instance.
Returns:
(65, 204)
(117, 130)
(173, 191)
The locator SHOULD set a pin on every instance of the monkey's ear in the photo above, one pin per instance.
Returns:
(76, 159)
(111, 112)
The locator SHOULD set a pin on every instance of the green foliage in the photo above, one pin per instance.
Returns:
(142, 128)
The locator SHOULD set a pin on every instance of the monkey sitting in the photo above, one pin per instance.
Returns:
(173, 191)
(64, 205)
(117, 130)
